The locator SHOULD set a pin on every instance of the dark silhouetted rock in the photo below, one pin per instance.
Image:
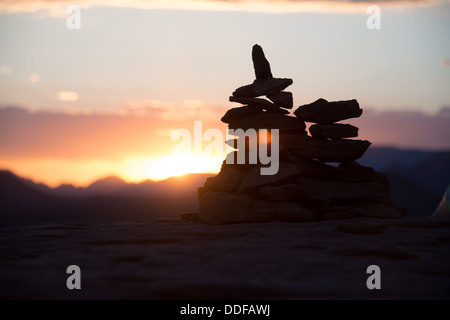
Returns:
(283, 153)
(353, 171)
(249, 144)
(324, 112)
(243, 167)
(191, 216)
(261, 103)
(289, 140)
(316, 169)
(262, 87)
(305, 187)
(260, 63)
(379, 210)
(219, 208)
(335, 213)
(363, 226)
(282, 99)
(254, 180)
(269, 121)
(226, 181)
(234, 158)
(323, 192)
(330, 150)
(240, 112)
(346, 172)
(333, 131)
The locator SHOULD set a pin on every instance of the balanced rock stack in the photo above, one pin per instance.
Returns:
(305, 187)
(258, 113)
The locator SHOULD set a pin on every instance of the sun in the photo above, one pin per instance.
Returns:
(172, 165)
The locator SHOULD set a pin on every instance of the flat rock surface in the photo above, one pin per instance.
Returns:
(178, 259)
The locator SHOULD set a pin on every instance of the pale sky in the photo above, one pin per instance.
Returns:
(129, 54)
(180, 60)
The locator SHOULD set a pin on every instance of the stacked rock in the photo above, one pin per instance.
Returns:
(258, 111)
(305, 187)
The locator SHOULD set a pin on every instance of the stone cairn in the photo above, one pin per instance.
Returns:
(305, 188)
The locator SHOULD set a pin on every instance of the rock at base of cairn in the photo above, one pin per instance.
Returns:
(219, 208)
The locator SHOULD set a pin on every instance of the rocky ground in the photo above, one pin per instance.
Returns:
(179, 259)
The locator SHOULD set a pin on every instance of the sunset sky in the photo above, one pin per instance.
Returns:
(78, 105)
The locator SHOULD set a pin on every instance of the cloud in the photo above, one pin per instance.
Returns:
(67, 96)
(41, 135)
(33, 135)
(34, 77)
(5, 70)
(446, 61)
(406, 130)
(57, 8)
(169, 111)
(56, 147)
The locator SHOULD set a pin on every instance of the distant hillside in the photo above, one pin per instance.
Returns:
(417, 179)
(381, 158)
(429, 170)
(22, 202)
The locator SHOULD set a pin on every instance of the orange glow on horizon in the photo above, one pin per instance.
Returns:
(173, 165)
(58, 8)
(55, 172)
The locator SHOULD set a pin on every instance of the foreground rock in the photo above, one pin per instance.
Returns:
(363, 226)
(235, 208)
(178, 259)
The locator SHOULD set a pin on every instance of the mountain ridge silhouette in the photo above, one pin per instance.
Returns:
(417, 180)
